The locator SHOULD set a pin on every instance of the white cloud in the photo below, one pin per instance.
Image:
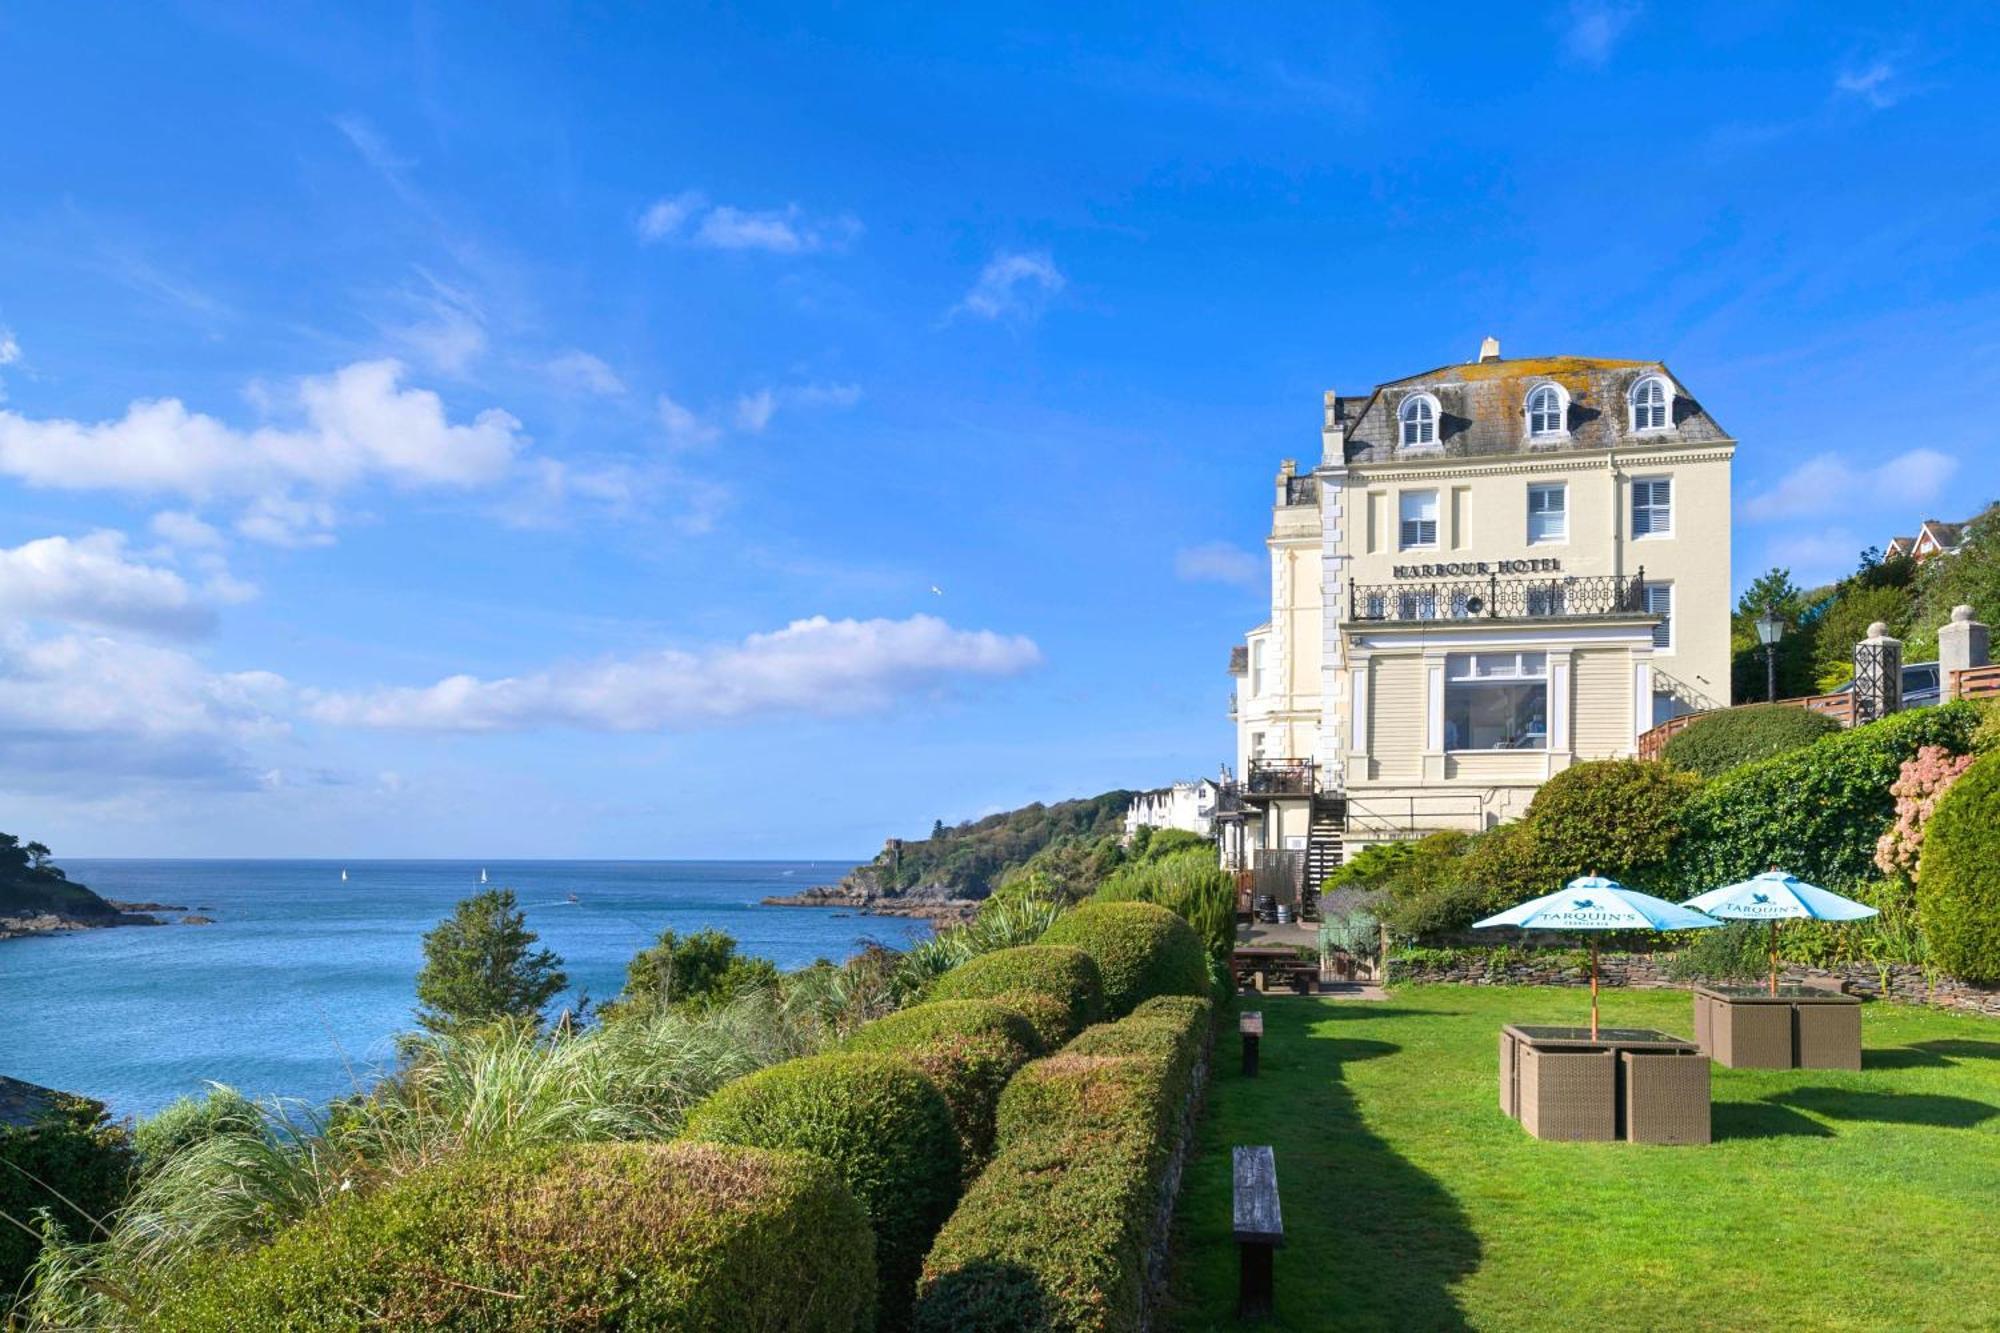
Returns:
(1595, 27)
(357, 425)
(816, 667)
(754, 410)
(1829, 484)
(689, 219)
(1872, 84)
(1817, 556)
(685, 429)
(449, 331)
(824, 395)
(10, 347)
(92, 581)
(1013, 285)
(1219, 562)
(179, 528)
(287, 521)
(581, 371)
(77, 710)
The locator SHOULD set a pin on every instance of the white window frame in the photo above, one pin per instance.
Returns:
(1634, 405)
(1527, 668)
(1403, 520)
(1560, 537)
(1652, 506)
(1663, 633)
(1428, 430)
(1258, 674)
(1561, 426)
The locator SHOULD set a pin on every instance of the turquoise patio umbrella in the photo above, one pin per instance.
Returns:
(1594, 903)
(1776, 896)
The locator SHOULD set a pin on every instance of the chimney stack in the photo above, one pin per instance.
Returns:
(1489, 349)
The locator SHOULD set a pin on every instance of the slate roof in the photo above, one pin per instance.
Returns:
(1483, 410)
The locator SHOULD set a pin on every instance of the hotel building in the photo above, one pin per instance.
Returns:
(1497, 569)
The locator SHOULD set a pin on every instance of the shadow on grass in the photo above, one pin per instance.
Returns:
(1371, 1241)
(1891, 1108)
(1762, 1120)
(1904, 1057)
(1959, 1048)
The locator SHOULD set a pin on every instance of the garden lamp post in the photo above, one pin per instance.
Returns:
(1770, 629)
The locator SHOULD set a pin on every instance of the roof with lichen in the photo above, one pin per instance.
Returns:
(1483, 409)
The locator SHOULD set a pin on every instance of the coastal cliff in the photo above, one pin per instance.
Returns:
(37, 898)
(948, 874)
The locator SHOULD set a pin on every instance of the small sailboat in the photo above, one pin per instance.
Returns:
(343, 874)
(482, 874)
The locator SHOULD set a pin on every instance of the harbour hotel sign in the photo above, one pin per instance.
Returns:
(1465, 569)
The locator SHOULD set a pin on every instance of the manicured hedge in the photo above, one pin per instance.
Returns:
(1057, 1232)
(654, 1236)
(1049, 1016)
(71, 1157)
(1141, 949)
(1062, 973)
(1731, 737)
(969, 1048)
(1817, 812)
(1958, 881)
(1616, 817)
(884, 1126)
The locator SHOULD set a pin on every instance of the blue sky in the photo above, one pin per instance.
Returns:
(567, 431)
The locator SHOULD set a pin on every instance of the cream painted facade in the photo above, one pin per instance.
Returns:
(1495, 571)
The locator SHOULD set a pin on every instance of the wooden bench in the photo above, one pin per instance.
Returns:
(1259, 1227)
(1250, 1026)
(1267, 972)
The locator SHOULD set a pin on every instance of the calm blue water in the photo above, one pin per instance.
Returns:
(302, 982)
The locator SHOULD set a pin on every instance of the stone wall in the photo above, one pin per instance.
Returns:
(1906, 983)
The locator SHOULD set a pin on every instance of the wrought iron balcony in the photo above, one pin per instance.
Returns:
(1301, 491)
(1555, 596)
(1282, 777)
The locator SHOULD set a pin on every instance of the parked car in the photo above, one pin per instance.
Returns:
(1921, 685)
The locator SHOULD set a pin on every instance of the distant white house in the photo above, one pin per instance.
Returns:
(1189, 806)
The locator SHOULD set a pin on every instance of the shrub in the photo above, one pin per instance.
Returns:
(1917, 789)
(1616, 817)
(1740, 951)
(1142, 950)
(1188, 882)
(1049, 1016)
(1958, 883)
(1732, 737)
(697, 971)
(69, 1159)
(684, 1236)
(1068, 975)
(1055, 1233)
(1428, 892)
(969, 1048)
(885, 1127)
(185, 1121)
(1818, 812)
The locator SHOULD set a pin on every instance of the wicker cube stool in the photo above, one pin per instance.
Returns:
(1702, 1036)
(1510, 1098)
(1666, 1098)
(1830, 1035)
(1571, 1095)
(1750, 1036)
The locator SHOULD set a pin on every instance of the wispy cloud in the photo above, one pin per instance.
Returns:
(580, 371)
(448, 331)
(1218, 562)
(685, 427)
(689, 218)
(1874, 83)
(1592, 29)
(754, 411)
(10, 347)
(1014, 285)
(814, 667)
(1826, 485)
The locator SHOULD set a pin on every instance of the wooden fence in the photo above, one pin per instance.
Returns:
(1975, 683)
(1839, 707)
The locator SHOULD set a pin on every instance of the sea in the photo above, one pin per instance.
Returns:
(299, 988)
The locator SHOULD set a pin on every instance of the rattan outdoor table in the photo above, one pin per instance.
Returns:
(1638, 1084)
(1800, 1027)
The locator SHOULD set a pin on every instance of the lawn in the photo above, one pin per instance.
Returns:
(1828, 1201)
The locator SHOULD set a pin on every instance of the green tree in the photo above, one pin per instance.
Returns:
(1971, 577)
(1773, 589)
(697, 971)
(480, 966)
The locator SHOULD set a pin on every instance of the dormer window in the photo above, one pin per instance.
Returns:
(1649, 404)
(1419, 415)
(1546, 411)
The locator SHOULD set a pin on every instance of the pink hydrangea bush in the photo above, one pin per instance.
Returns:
(1917, 789)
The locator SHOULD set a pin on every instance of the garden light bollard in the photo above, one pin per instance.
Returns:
(1250, 1026)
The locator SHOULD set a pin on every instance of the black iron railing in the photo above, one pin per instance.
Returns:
(1282, 777)
(1301, 491)
(1492, 597)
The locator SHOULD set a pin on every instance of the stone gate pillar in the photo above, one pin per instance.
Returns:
(1962, 645)
(1878, 675)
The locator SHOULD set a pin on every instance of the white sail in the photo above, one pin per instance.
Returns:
(343, 876)
(482, 874)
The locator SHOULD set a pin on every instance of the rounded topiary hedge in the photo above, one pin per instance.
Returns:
(969, 1048)
(1958, 880)
(1141, 949)
(1616, 817)
(884, 1126)
(1048, 1016)
(1731, 737)
(1065, 974)
(681, 1236)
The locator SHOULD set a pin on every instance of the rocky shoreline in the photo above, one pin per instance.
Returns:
(949, 911)
(55, 923)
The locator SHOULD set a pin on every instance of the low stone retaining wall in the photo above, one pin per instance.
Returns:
(1906, 983)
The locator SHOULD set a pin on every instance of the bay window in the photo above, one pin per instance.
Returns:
(1496, 701)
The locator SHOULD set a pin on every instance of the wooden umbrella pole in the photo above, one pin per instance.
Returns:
(1774, 958)
(1593, 988)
